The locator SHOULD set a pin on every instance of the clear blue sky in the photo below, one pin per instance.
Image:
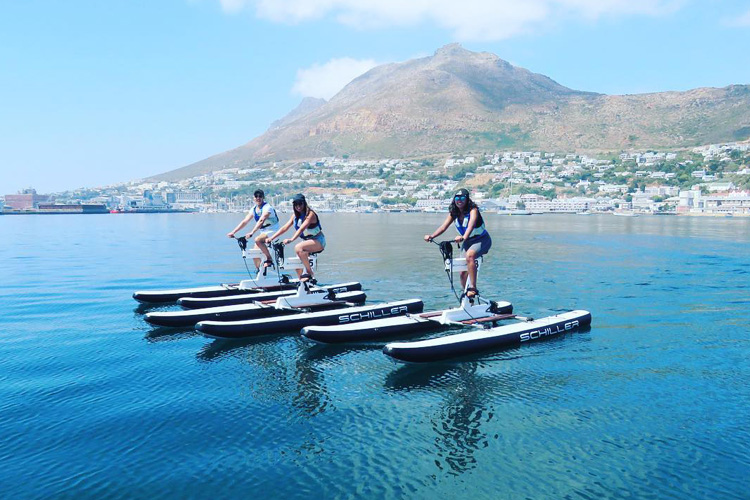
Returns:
(98, 92)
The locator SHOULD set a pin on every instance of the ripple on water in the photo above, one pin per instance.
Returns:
(648, 403)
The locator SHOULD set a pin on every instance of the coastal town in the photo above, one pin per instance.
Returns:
(711, 180)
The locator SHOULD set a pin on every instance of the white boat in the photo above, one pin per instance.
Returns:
(625, 214)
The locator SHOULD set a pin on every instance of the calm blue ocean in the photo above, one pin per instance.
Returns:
(652, 402)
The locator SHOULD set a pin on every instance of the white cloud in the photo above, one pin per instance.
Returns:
(741, 21)
(468, 20)
(233, 5)
(327, 79)
(594, 9)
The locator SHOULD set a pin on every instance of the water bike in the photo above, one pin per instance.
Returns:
(249, 298)
(294, 322)
(471, 311)
(264, 280)
(305, 299)
(478, 341)
(485, 338)
(278, 270)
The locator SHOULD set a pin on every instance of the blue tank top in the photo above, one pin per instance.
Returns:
(311, 230)
(479, 229)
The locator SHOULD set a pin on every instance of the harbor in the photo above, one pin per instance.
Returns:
(711, 180)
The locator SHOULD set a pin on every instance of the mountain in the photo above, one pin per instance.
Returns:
(308, 105)
(462, 101)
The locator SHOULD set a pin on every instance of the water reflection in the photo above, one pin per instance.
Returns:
(457, 423)
(218, 349)
(142, 308)
(469, 390)
(311, 395)
(280, 369)
(332, 352)
(167, 334)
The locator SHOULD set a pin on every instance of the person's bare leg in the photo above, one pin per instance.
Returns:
(303, 250)
(260, 243)
(471, 264)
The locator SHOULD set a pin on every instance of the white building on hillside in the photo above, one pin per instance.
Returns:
(695, 202)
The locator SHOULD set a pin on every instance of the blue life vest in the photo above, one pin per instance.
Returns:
(479, 229)
(311, 230)
(272, 219)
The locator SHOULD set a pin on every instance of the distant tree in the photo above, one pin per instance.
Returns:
(461, 173)
(496, 189)
(398, 200)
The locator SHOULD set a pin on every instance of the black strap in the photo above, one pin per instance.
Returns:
(278, 248)
(446, 249)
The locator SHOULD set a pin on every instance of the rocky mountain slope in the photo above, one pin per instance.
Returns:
(463, 101)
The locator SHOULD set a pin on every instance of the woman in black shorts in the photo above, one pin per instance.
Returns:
(474, 238)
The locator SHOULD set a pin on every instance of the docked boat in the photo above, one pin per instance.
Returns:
(479, 341)
(249, 298)
(265, 326)
(304, 300)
